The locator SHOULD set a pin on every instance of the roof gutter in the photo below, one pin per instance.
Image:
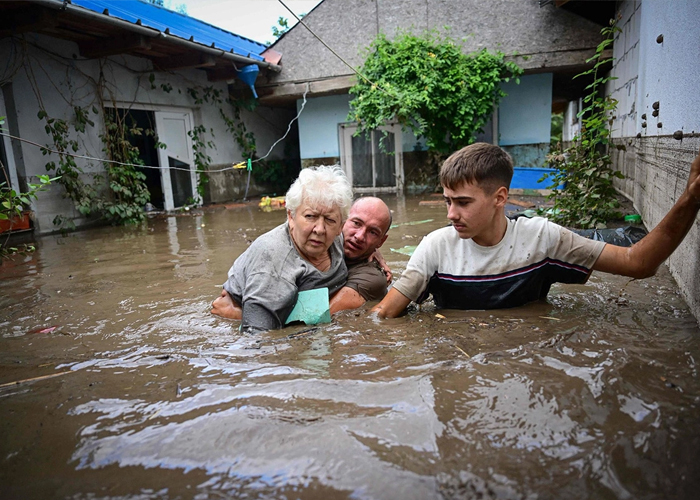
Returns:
(154, 33)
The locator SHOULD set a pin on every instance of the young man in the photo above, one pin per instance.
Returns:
(486, 261)
(364, 231)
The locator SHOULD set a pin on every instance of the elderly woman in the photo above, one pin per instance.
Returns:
(304, 253)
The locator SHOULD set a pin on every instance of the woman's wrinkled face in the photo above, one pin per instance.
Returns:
(313, 229)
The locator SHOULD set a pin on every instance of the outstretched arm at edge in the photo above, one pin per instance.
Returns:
(392, 305)
(642, 259)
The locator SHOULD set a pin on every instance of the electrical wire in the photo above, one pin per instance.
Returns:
(102, 160)
(354, 70)
(289, 127)
(240, 165)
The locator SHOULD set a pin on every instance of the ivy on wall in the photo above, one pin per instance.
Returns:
(276, 174)
(430, 87)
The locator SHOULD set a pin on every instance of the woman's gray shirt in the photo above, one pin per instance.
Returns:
(268, 276)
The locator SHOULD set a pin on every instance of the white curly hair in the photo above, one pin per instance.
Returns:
(322, 186)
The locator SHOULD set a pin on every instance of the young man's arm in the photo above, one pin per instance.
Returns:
(642, 259)
(392, 305)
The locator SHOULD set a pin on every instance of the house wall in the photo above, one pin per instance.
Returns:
(525, 119)
(47, 72)
(657, 165)
(542, 37)
(318, 128)
(319, 142)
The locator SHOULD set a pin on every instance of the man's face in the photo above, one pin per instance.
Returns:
(472, 211)
(365, 230)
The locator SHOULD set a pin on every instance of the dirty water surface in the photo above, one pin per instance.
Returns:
(135, 391)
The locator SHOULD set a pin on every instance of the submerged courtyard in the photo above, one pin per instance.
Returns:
(116, 381)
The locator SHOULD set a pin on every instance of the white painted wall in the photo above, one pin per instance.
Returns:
(669, 72)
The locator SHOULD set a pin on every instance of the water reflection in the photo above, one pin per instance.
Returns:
(594, 394)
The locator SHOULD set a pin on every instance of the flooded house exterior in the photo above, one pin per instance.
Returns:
(76, 63)
(551, 44)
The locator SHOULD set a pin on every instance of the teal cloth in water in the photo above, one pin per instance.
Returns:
(312, 307)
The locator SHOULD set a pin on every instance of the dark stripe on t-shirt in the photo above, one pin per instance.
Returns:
(511, 289)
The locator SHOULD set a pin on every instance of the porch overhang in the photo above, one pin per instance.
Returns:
(102, 34)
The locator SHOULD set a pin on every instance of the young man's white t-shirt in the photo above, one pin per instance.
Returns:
(533, 254)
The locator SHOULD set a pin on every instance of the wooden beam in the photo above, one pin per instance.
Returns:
(185, 61)
(296, 90)
(29, 19)
(115, 45)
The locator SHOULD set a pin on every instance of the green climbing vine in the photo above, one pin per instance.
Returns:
(120, 196)
(276, 174)
(201, 159)
(430, 87)
(126, 182)
(70, 174)
(588, 198)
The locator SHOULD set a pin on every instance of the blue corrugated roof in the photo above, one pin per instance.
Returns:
(179, 25)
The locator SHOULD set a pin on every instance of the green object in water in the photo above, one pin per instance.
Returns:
(312, 307)
(634, 218)
(412, 223)
(407, 250)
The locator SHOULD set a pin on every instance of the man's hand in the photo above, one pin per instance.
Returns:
(379, 259)
(346, 298)
(226, 307)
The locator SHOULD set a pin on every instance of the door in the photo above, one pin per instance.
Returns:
(375, 163)
(177, 172)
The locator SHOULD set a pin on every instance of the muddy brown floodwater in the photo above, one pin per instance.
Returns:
(594, 394)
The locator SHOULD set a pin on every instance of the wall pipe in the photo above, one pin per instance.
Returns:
(154, 33)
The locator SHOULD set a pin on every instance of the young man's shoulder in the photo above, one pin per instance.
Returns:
(445, 234)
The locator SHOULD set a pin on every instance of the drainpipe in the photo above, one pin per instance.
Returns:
(154, 33)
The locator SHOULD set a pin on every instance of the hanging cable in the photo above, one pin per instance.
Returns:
(354, 70)
(289, 127)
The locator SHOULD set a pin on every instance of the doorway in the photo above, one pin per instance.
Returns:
(165, 148)
(177, 175)
(143, 122)
(372, 163)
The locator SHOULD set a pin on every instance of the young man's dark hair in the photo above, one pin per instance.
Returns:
(481, 164)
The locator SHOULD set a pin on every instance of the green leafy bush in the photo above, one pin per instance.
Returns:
(430, 87)
(588, 198)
